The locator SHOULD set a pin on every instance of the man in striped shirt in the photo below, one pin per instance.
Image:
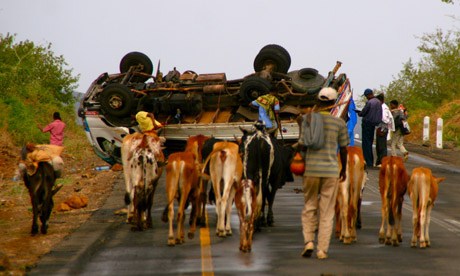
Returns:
(321, 177)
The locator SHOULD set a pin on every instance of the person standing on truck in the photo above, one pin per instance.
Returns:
(56, 130)
(397, 137)
(146, 119)
(320, 180)
(269, 107)
(383, 128)
(372, 116)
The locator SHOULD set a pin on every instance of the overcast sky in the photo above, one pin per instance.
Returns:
(371, 38)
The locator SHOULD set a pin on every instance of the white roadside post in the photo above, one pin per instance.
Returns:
(426, 129)
(439, 127)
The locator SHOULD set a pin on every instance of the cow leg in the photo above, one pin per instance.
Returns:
(35, 207)
(180, 238)
(149, 221)
(45, 214)
(415, 219)
(423, 218)
(220, 210)
(170, 210)
(250, 230)
(228, 211)
(202, 203)
(384, 220)
(427, 225)
(195, 200)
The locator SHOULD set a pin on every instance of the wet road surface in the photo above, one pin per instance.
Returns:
(106, 246)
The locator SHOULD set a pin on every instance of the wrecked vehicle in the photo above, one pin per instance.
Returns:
(190, 103)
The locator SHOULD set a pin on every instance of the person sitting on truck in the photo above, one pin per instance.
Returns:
(269, 107)
(146, 119)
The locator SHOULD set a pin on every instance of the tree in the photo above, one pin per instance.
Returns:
(434, 79)
(34, 83)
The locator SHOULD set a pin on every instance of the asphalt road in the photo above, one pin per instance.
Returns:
(106, 246)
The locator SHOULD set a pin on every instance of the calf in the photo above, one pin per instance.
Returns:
(393, 179)
(40, 185)
(423, 190)
(265, 162)
(349, 196)
(182, 182)
(142, 166)
(246, 204)
(226, 169)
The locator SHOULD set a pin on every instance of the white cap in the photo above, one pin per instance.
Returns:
(327, 94)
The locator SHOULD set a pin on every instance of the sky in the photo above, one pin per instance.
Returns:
(372, 39)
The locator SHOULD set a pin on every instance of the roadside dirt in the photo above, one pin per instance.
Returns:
(19, 251)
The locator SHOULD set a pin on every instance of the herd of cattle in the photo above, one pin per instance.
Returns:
(246, 172)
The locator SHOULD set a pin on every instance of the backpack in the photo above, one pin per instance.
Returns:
(312, 131)
(405, 128)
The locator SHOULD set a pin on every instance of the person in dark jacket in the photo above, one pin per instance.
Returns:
(372, 116)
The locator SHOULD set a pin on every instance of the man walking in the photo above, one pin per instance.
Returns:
(320, 181)
(383, 128)
(397, 137)
(372, 116)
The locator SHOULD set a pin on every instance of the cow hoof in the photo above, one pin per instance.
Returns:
(347, 240)
(191, 235)
(422, 244)
(381, 240)
(395, 243)
(44, 229)
(399, 238)
(229, 233)
(179, 241)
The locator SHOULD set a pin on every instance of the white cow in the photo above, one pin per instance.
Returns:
(143, 163)
(225, 169)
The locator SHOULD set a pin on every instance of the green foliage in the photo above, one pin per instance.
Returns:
(434, 79)
(34, 84)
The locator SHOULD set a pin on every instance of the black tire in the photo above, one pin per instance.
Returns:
(136, 58)
(117, 100)
(279, 48)
(253, 87)
(273, 54)
(306, 80)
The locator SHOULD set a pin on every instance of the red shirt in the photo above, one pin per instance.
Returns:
(56, 129)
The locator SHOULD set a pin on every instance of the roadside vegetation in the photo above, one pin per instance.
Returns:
(35, 83)
(431, 86)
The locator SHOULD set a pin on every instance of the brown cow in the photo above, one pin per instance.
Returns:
(246, 204)
(393, 179)
(423, 190)
(349, 196)
(182, 182)
(225, 169)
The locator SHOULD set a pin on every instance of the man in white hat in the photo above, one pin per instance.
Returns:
(320, 181)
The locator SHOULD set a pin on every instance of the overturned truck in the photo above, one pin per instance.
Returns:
(190, 103)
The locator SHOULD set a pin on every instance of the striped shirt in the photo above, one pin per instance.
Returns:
(324, 162)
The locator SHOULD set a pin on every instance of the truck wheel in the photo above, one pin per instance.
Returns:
(253, 87)
(136, 58)
(306, 80)
(274, 55)
(117, 100)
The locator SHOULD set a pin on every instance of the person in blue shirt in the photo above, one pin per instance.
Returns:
(269, 107)
(352, 121)
(372, 116)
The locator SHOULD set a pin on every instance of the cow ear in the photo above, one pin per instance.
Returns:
(440, 179)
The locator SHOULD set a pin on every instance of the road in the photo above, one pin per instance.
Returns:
(106, 246)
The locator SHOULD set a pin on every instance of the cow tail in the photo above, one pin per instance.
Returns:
(248, 199)
(390, 195)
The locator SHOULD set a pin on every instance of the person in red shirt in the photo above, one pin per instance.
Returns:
(56, 129)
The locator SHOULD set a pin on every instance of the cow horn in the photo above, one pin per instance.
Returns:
(162, 163)
(56, 189)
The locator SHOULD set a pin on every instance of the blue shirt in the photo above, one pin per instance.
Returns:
(372, 112)
(263, 116)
